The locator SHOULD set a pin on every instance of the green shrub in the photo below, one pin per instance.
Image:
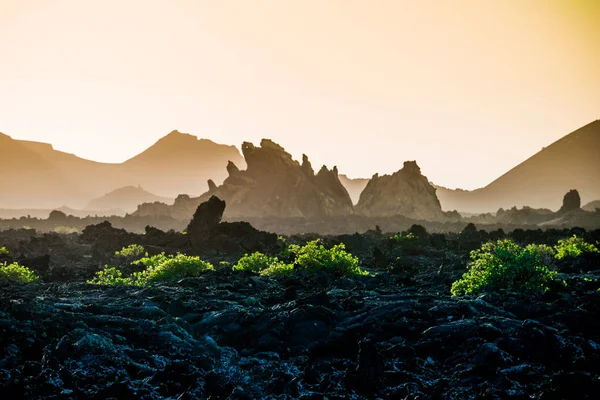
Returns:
(4, 251)
(401, 237)
(506, 265)
(65, 230)
(573, 247)
(255, 262)
(17, 273)
(110, 276)
(163, 267)
(278, 268)
(132, 252)
(159, 268)
(314, 257)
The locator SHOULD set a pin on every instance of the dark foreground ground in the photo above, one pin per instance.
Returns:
(396, 334)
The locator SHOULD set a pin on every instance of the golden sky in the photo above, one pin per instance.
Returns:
(468, 88)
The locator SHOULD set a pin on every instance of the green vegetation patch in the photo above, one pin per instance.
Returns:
(17, 273)
(110, 276)
(163, 267)
(506, 265)
(4, 251)
(255, 262)
(132, 252)
(313, 257)
(573, 247)
(159, 268)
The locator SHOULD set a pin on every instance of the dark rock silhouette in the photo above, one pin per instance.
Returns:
(571, 202)
(406, 192)
(207, 216)
(275, 185)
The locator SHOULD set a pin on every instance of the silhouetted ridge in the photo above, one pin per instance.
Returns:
(541, 180)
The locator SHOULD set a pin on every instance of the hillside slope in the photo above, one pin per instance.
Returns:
(31, 181)
(126, 198)
(572, 162)
(41, 177)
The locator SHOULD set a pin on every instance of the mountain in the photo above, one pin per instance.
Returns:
(181, 163)
(28, 180)
(354, 186)
(272, 185)
(572, 162)
(126, 198)
(406, 192)
(41, 177)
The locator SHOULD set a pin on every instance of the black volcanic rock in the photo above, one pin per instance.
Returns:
(207, 216)
(406, 192)
(571, 202)
(275, 185)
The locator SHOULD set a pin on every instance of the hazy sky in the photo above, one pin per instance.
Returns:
(467, 88)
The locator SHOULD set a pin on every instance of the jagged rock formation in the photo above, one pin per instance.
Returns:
(275, 185)
(207, 216)
(571, 202)
(406, 192)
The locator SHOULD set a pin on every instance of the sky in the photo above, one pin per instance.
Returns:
(467, 88)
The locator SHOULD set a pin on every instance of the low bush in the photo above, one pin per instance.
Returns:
(402, 237)
(506, 265)
(573, 247)
(163, 267)
(132, 252)
(314, 257)
(159, 268)
(255, 262)
(110, 276)
(278, 268)
(17, 273)
(4, 251)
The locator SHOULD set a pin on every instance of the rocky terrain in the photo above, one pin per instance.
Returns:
(395, 334)
(272, 185)
(176, 217)
(406, 192)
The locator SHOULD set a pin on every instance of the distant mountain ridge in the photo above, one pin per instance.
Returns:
(35, 175)
(126, 198)
(572, 162)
